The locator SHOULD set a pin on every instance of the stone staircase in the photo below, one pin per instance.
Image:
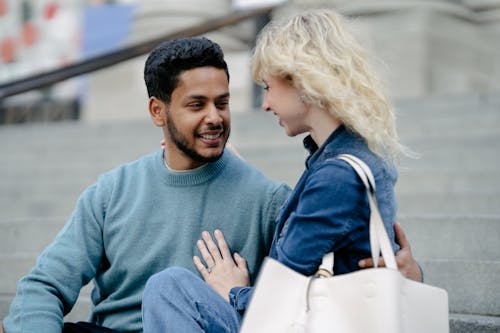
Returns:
(449, 197)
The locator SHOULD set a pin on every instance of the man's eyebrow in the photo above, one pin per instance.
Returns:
(202, 97)
(226, 95)
(196, 97)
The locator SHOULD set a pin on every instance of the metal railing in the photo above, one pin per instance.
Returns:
(92, 64)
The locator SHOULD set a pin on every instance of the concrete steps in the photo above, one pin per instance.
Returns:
(449, 198)
(474, 323)
(470, 202)
(460, 254)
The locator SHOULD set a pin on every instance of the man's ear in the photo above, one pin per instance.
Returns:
(158, 111)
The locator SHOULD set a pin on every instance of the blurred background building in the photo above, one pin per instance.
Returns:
(439, 59)
(424, 48)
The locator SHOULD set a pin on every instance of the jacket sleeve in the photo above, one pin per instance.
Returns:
(239, 298)
(324, 219)
(52, 287)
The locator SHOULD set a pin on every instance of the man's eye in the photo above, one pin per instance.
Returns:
(266, 87)
(222, 104)
(195, 105)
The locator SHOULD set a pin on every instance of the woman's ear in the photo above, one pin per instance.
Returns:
(158, 111)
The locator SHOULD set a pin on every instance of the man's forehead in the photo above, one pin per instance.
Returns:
(203, 73)
(203, 82)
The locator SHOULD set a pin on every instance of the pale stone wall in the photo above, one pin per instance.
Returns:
(119, 92)
(420, 48)
(425, 47)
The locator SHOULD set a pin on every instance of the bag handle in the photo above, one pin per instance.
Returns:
(379, 240)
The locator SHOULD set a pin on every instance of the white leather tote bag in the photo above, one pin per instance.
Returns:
(376, 300)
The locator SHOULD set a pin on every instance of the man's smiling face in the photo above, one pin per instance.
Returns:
(197, 118)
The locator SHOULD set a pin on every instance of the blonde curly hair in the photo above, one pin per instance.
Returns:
(324, 61)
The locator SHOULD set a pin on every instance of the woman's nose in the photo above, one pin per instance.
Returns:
(265, 105)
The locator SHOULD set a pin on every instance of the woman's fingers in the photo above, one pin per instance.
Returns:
(212, 247)
(240, 262)
(205, 254)
(223, 248)
(216, 255)
(200, 267)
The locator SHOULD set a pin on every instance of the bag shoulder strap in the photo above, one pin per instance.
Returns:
(379, 240)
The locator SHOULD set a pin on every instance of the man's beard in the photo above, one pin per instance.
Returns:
(181, 143)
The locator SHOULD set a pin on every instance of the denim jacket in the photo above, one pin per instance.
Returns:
(328, 210)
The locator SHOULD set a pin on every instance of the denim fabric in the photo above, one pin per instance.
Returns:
(84, 327)
(176, 300)
(328, 210)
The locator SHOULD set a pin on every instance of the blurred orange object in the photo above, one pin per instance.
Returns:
(7, 50)
(50, 10)
(3, 7)
(30, 34)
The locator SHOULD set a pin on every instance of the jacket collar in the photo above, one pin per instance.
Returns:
(330, 143)
(340, 141)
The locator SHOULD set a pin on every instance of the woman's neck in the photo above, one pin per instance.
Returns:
(322, 125)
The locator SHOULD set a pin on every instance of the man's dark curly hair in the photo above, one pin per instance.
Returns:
(169, 59)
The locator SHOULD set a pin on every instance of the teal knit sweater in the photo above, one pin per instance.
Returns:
(135, 221)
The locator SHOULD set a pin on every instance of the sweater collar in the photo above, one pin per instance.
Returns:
(191, 177)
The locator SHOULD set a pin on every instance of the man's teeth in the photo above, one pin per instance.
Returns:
(211, 136)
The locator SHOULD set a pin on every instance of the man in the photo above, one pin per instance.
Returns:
(146, 215)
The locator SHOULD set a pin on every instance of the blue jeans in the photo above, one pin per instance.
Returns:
(176, 300)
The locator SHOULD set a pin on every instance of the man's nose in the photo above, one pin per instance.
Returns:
(213, 115)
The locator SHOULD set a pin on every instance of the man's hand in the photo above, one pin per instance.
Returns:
(404, 258)
(222, 271)
(1, 327)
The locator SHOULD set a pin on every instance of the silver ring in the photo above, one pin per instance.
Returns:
(209, 269)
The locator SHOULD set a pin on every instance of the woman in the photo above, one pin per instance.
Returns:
(317, 80)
